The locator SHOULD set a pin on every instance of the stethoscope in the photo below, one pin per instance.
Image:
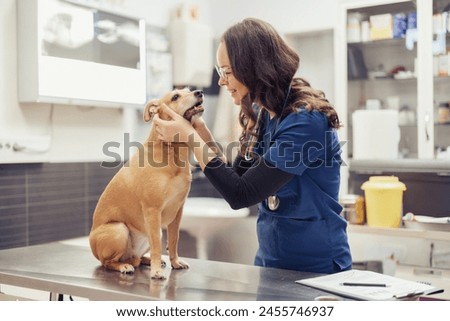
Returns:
(273, 201)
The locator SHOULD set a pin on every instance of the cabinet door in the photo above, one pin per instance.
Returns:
(382, 55)
(441, 77)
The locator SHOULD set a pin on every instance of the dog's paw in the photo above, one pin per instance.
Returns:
(157, 274)
(126, 268)
(180, 265)
(134, 261)
(146, 261)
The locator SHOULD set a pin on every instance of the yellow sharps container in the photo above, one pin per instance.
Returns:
(384, 201)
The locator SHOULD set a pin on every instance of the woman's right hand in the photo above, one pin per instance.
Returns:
(177, 129)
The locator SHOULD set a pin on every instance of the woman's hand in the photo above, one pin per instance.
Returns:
(199, 123)
(197, 136)
(177, 129)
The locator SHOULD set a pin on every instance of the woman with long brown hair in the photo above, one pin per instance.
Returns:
(289, 160)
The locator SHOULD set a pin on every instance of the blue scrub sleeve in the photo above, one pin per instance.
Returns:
(255, 184)
(304, 143)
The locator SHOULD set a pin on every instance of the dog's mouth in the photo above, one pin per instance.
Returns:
(194, 110)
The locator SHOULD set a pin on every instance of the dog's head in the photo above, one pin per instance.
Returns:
(183, 101)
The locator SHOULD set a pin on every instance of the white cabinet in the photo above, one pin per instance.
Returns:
(398, 71)
(411, 254)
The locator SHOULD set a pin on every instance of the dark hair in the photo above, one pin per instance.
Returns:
(266, 65)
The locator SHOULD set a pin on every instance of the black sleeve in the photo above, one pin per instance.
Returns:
(241, 165)
(257, 183)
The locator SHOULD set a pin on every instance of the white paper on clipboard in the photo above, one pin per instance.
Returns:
(394, 289)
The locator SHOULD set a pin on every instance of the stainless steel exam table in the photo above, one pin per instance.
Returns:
(60, 268)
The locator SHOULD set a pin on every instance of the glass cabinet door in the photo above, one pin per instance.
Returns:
(441, 77)
(382, 81)
(392, 61)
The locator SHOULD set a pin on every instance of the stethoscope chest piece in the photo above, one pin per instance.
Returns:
(273, 202)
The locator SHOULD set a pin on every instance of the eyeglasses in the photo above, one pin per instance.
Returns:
(223, 72)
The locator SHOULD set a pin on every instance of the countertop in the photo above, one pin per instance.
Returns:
(439, 166)
(71, 269)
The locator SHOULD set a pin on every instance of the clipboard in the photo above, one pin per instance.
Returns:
(369, 286)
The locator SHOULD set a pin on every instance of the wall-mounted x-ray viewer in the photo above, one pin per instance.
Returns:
(73, 54)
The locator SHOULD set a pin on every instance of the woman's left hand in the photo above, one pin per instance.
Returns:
(177, 129)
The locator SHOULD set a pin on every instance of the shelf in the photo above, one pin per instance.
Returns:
(381, 42)
(437, 166)
(386, 79)
(441, 78)
(381, 7)
(399, 232)
(405, 126)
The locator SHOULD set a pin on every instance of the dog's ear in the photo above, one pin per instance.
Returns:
(151, 109)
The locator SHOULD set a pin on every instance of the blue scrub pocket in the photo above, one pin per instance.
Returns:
(268, 241)
(305, 245)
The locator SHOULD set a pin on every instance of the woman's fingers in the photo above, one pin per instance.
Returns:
(169, 111)
(156, 120)
(166, 129)
(176, 129)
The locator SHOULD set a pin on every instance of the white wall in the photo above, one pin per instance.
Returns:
(79, 133)
(288, 16)
(316, 59)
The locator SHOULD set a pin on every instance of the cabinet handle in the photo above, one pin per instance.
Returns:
(424, 271)
(427, 121)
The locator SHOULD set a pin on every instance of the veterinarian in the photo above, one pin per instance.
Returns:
(290, 153)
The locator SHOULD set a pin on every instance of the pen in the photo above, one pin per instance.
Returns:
(363, 284)
(407, 295)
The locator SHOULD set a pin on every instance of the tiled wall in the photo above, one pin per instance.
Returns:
(47, 202)
(54, 201)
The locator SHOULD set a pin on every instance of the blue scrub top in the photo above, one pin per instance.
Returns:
(306, 231)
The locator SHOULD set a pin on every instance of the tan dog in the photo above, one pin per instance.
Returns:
(146, 194)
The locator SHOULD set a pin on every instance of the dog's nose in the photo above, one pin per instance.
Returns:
(198, 93)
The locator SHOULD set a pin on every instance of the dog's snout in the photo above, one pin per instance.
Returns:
(198, 93)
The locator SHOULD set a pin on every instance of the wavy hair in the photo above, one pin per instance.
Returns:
(266, 65)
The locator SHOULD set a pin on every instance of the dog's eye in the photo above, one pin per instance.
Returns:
(175, 97)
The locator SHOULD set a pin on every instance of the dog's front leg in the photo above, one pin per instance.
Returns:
(153, 229)
(172, 240)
